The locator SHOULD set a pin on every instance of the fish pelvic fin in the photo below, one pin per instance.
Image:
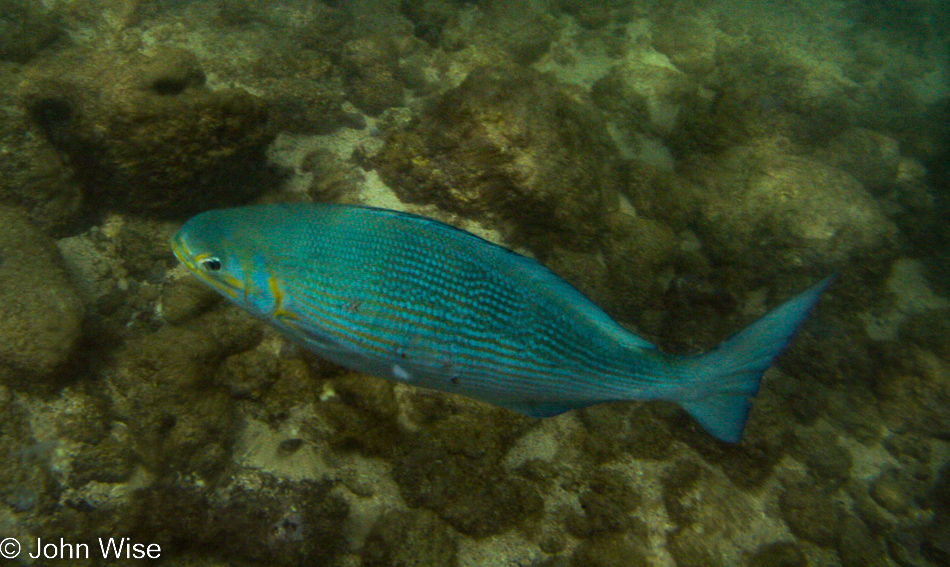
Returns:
(724, 381)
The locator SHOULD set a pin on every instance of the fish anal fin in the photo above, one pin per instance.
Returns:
(722, 415)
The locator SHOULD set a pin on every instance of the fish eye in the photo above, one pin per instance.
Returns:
(211, 264)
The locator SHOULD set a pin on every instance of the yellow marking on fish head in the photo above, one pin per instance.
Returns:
(224, 282)
(279, 311)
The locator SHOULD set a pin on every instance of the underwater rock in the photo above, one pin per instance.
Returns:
(110, 461)
(611, 550)
(690, 548)
(478, 501)
(161, 385)
(507, 145)
(647, 91)
(779, 554)
(119, 268)
(859, 547)
(594, 14)
(186, 298)
(333, 180)
(871, 157)
(768, 84)
(329, 28)
(415, 538)
(812, 513)
(827, 461)
(40, 312)
(372, 67)
(26, 478)
(638, 253)
(909, 448)
(640, 430)
(453, 467)
(26, 27)
(913, 204)
(144, 134)
(608, 503)
(747, 465)
(679, 484)
(429, 17)
(890, 492)
(915, 397)
(91, 447)
(303, 97)
(688, 39)
(142, 245)
(33, 174)
(801, 77)
(299, 77)
(650, 435)
(703, 505)
(856, 411)
(363, 414)
(253, 517)
(505, 30)
(92, 268)
(249, 374)
(936, 535)
(769, 211)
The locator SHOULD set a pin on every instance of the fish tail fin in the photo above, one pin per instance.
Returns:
(724, 381)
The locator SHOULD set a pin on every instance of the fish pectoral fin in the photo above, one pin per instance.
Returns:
(314, 339)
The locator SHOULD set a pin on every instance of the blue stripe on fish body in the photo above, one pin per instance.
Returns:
(412, 299)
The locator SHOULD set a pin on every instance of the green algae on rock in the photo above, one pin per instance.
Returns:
(248, 517)
(611, 550)
(871, 157)
(372, 74)
(812, 514)
(33, 174)
(410, 539)
(508, 145)
(609, 504)
(771, 211)
(26, 481)
(455, 470)
(144, 134)
(161, 384)
(40, 312)
(26, 28)
(778, 554)
(505, 30)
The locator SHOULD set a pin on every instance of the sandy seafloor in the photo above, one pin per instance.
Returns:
(687, 164)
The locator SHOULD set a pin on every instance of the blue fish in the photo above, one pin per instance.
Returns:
(414, 300)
